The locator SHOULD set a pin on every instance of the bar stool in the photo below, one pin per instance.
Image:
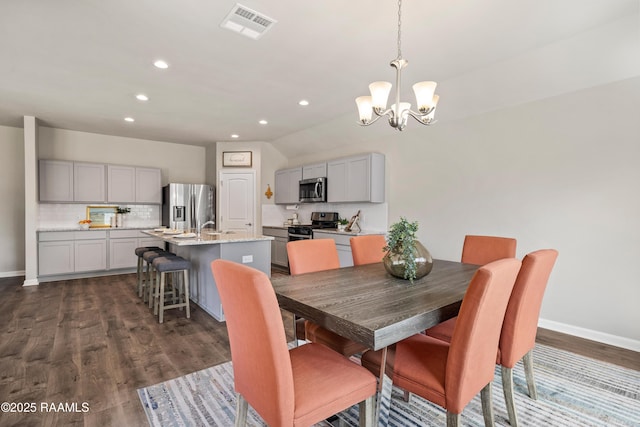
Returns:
(171, 264)
(148, 257)
(139, 252)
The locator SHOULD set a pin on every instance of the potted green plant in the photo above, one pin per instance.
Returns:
(342, 223)
(406, 257)
(119, 215)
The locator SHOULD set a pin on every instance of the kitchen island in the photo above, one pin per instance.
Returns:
(253, 250)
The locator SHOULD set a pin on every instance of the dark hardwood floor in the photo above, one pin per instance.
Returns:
(94, 341)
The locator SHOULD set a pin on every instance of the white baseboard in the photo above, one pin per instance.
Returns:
(614, 340)
(31, 282)
(11, 273)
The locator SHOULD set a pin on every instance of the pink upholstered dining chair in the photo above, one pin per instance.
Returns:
(481, 250)
(451, 374)
(297, 387)
(518, 336)
(309, 256)
(367, 249)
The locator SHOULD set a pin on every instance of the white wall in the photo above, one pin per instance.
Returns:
(12, 208)
(557, 173)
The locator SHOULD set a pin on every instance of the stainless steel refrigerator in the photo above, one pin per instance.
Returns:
(187, 206)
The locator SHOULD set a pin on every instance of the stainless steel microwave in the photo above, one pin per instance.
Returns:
(313, 190)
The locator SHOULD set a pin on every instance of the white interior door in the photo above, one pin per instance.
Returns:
(237, 201)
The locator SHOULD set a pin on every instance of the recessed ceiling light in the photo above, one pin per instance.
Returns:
(263, 122)
(161, 64)
(304, 102)
(142, 97)
(129, 119)
(235, 135)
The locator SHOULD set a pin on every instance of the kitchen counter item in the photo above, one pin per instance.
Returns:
(210, 238)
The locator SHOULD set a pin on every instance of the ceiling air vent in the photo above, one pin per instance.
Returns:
(247, 22)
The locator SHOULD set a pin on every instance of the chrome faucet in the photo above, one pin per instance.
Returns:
(204, 225)
(207, 223)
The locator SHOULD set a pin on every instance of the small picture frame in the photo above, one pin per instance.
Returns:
(235, 159)
(100, 216)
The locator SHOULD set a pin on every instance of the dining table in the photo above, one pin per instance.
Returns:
(371, 307)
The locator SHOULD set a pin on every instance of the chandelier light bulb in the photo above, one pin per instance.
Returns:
(424, 95)
(380, 94)
(365, 109)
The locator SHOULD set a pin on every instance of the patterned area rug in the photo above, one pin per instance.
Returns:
(572, 391)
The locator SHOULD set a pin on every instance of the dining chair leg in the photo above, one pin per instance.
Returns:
(406, 396)
(367, 411)
(295, 332)
(241, 411)
(453, 420)
(507, 387)
(487, 405)
(527, 360)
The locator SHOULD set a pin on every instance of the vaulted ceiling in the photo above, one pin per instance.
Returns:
(79, 64)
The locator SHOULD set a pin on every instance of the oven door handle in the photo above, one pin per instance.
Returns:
(304, 236)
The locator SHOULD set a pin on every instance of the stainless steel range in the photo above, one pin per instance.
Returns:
(318, 220)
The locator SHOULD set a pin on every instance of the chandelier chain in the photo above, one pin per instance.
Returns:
(399, 29)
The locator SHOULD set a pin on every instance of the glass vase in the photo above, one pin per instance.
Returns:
(395, 264)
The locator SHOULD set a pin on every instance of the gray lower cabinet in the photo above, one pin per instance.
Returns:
(64, 252)
(122, 246)
(90, 255)
(278, 245)
(56, 257)
(69, 252)
(342, 245)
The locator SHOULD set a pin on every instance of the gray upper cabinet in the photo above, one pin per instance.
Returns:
(64, 181)
(356, 179)
(129, 184)
(318, 170)
(121, 184)
(56, 181)
(89, 182)
(148, 185)
(287, 189)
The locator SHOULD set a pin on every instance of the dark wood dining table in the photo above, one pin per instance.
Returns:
(369, 306)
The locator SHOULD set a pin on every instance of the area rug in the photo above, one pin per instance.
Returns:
(572, 391)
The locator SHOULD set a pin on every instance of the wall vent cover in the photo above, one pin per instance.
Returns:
(247, 22)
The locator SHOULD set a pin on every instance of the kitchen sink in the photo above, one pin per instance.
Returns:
(217, 233)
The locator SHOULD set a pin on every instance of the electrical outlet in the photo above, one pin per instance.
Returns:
(247, 259)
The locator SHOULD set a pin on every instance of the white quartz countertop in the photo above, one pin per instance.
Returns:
(77, 228)
(347, 233)
(207, 238)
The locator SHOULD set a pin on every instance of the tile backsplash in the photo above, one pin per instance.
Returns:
(53, 215)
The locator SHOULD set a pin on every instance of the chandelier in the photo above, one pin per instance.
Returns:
(400, 111)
